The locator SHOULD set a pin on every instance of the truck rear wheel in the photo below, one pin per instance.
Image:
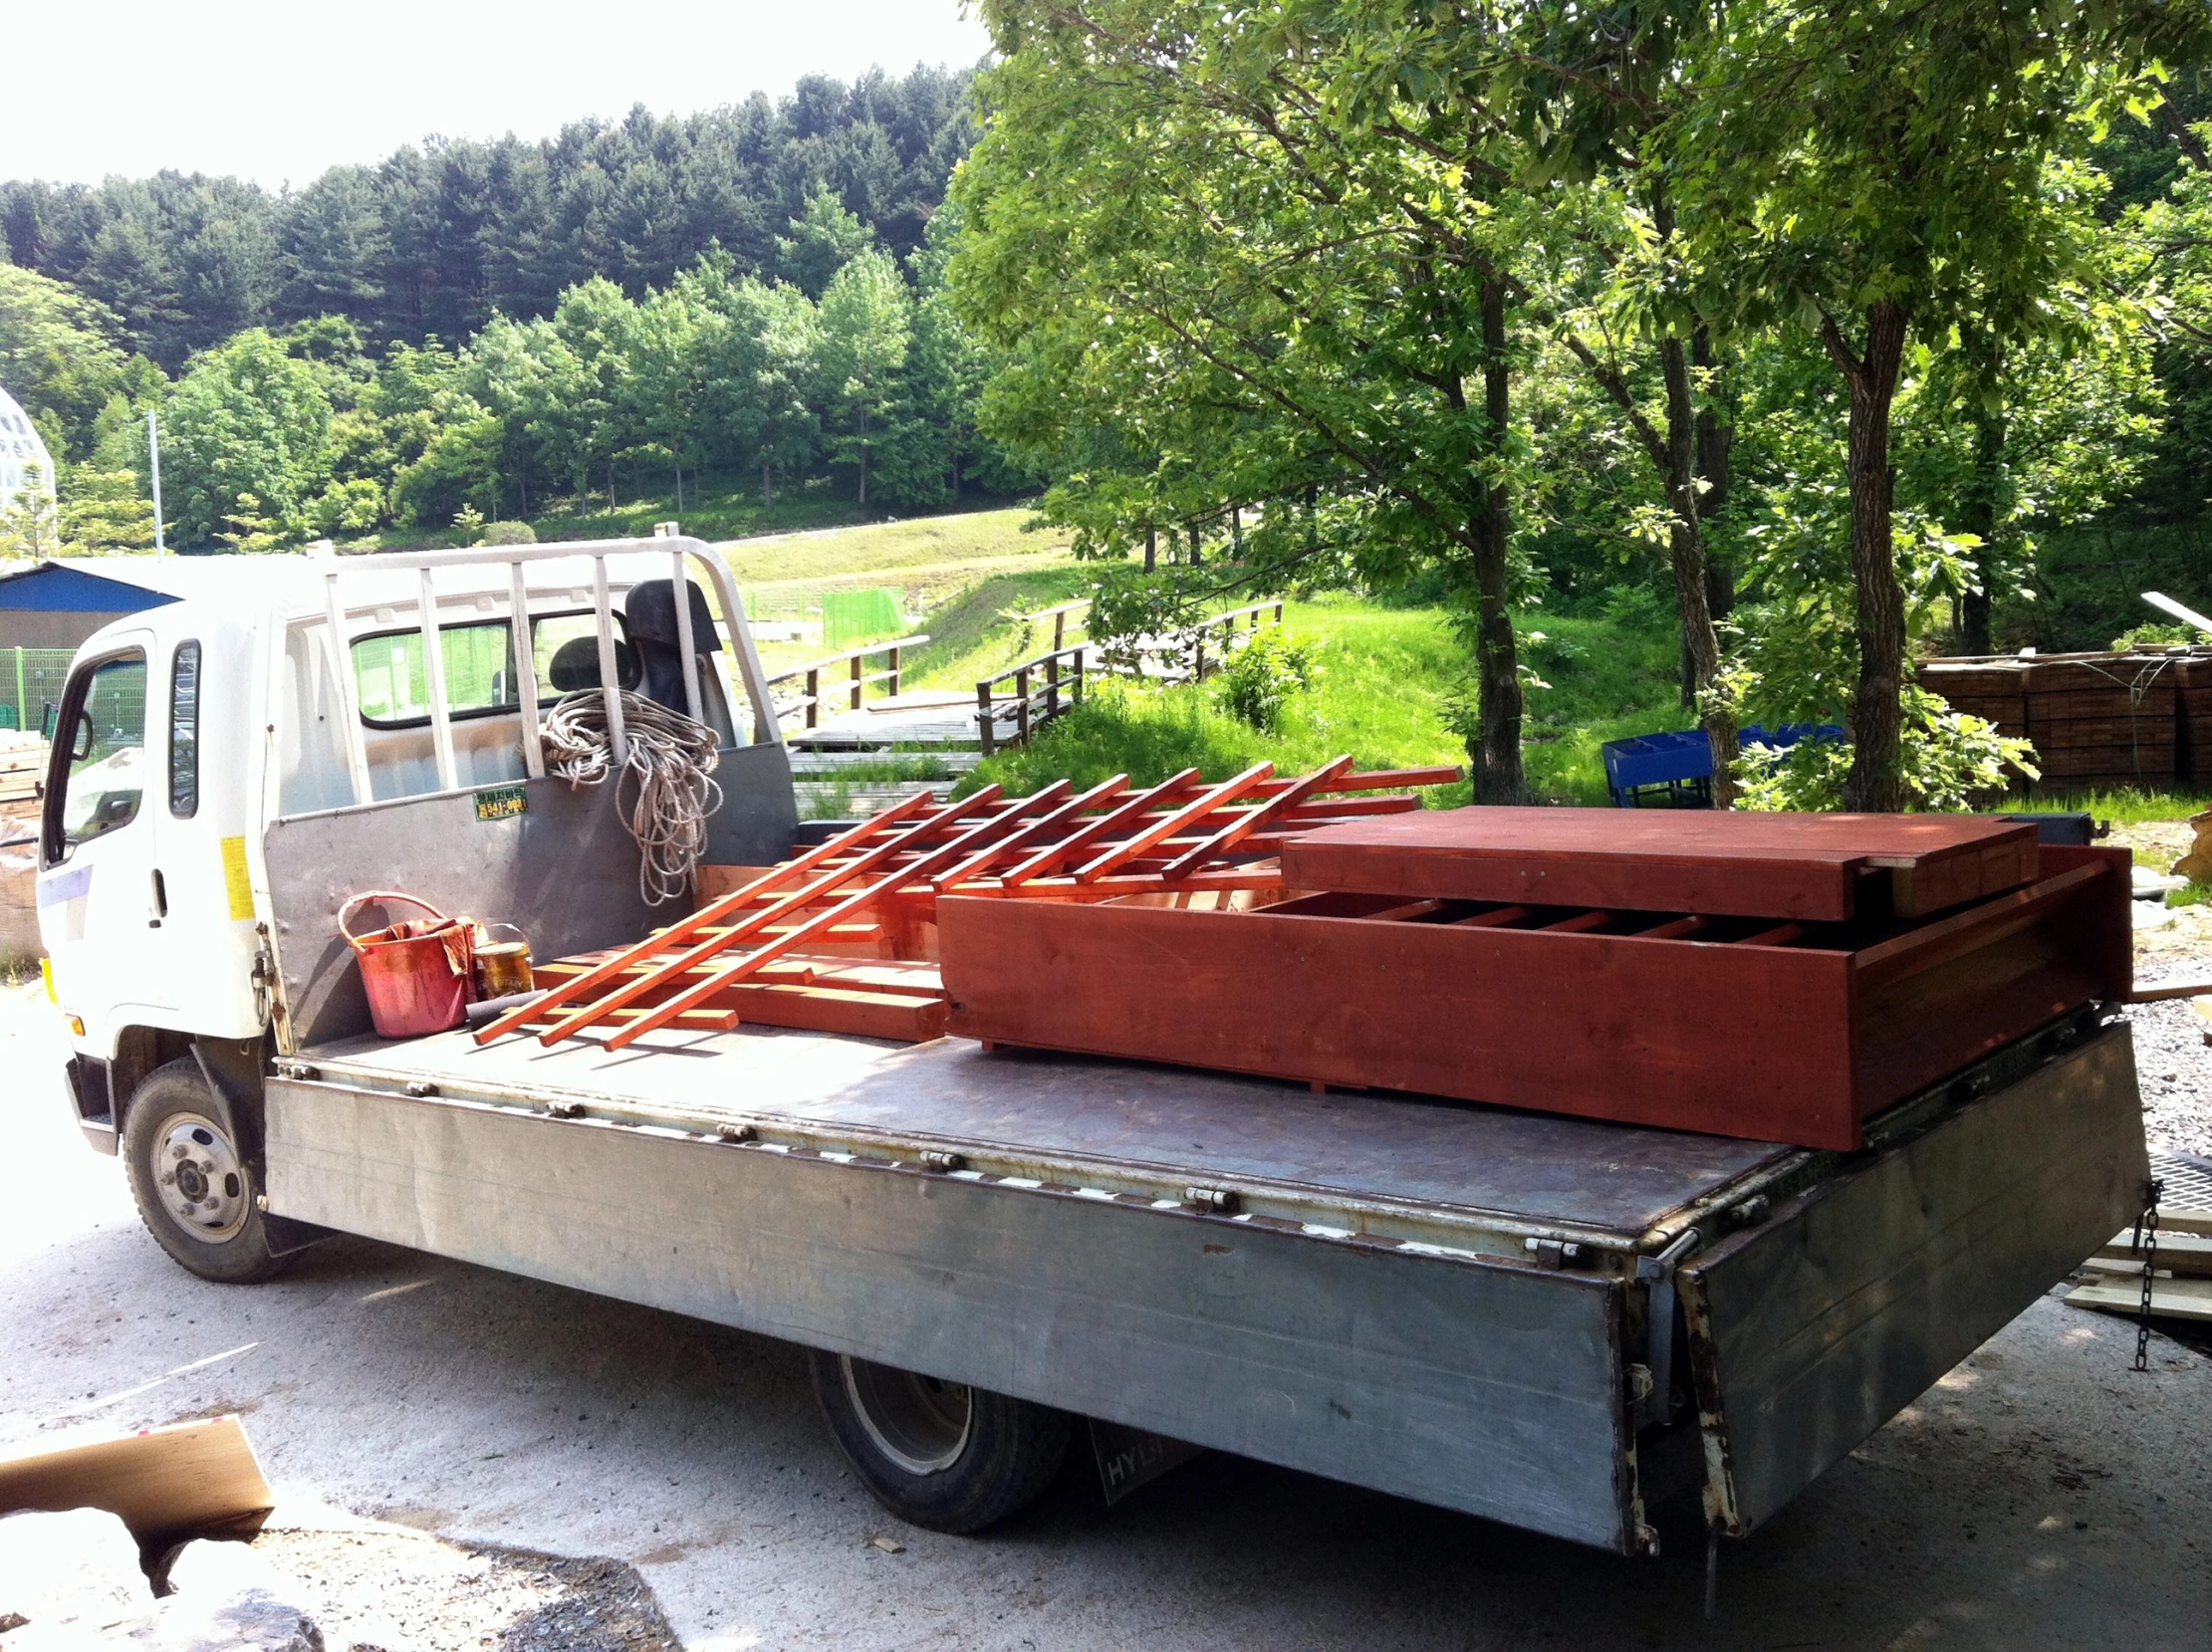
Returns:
(939, 1455)
(194, 1189)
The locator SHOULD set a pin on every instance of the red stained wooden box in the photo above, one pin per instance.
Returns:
(1819, 866)
(1790, 1032)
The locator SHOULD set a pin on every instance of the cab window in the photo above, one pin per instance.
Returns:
(393, 689)
(574, 638)
(103, 722)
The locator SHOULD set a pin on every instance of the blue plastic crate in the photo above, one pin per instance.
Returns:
(1681, 760)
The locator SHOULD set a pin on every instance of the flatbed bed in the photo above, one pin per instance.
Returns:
(1471, 1306)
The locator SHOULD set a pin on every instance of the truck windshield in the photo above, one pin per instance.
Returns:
(107, 768)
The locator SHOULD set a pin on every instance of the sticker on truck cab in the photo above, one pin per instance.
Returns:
(502, 803)
(237, 881)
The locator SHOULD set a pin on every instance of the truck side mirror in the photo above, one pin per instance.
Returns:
(82, 747)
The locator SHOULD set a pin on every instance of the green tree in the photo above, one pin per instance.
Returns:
(29, 523)
(247, 418)
(58, 357)
(867, 330)
(823, 240)
(104, 512)
(1226, 278)
(1873, 172)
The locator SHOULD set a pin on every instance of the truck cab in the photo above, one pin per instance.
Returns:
(296, 689)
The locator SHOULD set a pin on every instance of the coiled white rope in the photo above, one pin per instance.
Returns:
(670, 756)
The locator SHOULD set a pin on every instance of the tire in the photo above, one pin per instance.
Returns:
(194, 1190)
(936, 1454)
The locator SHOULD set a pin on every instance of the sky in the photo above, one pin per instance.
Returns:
(278, 90)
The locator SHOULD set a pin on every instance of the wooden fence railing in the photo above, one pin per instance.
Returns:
(1067, 616)
(1223, 631)
(847, 676)
(1189, 654)
(1043, 687)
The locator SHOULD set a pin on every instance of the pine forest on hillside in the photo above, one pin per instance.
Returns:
(474, 326)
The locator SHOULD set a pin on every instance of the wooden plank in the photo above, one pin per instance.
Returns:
(1803, 866)
(1228, 837)
(166, 1483)
(946, 855)
(2169, 1299)
(1098, 796)
(1158, 832)
(1751, 1043)
(1100, 827)
(807, 894)
(901, 1017)
(2184, 1253)
(711, 913)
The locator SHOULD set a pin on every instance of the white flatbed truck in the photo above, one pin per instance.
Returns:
(1544, 1320)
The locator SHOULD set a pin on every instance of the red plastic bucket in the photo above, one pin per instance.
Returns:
(416, 975)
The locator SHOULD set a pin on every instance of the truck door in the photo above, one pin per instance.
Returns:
(101, 898)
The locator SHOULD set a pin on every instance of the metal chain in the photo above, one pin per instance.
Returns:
(2146, 1224)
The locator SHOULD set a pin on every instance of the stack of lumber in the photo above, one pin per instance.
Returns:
(2097, 720)
(843, 938)
(1774, 977)
(2104, 721)
(2182, 1270)
(1995, 690)
(2192, 688)
(22, 765)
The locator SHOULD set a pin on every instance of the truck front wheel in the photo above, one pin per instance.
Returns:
(939, 1455)
(194, 1189)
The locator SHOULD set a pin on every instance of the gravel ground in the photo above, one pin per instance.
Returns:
(378, 1587)
(2173, 1063)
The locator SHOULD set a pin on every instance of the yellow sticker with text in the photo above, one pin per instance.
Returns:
(237, 882)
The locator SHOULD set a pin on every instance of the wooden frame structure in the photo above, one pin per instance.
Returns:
(1577, 985)
(780, 947)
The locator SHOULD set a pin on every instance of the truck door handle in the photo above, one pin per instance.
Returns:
(160, 900)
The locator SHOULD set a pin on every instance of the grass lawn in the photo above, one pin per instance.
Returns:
(1383, 689)
(714, 508)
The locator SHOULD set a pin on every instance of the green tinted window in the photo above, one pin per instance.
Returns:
(395, 687)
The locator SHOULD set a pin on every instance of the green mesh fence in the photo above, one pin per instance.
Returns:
(850, 617)
(30, 681)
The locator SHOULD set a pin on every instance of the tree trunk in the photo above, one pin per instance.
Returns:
(1876, 713)
(767, 485)
(864, 460)
(1686, 549)
(1197, 555)
(1152, 547)
(1715, 438)
(1981, 509)
(1496, 750)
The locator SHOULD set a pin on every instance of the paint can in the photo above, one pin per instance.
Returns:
(502, 961)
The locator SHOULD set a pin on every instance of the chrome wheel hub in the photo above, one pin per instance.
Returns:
(919, 1422)
(200, 1179)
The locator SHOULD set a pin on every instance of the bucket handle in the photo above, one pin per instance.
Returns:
(346, 912)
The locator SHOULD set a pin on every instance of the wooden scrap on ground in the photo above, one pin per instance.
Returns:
(189, 1480)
